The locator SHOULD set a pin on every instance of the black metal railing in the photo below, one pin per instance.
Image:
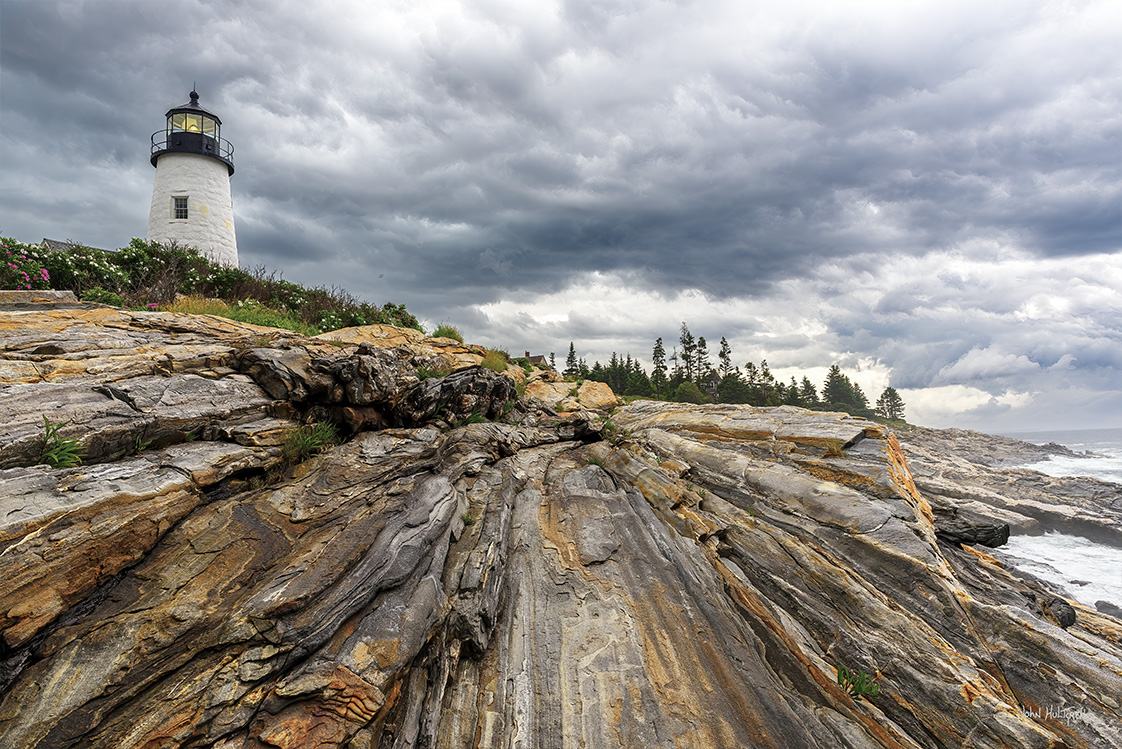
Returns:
(200, 143)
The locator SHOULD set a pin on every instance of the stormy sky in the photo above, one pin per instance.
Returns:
(926, 193)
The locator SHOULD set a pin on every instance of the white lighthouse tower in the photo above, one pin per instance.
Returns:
(191, 196)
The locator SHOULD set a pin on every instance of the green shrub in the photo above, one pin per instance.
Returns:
(688, 392)
(58, 451)
(101, 296)
(447, 331)
(303, 442)
(857, 684)
(496, 360)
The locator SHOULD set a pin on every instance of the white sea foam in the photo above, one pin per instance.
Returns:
(1107, 468)
(1089, 571)
(1105, 446)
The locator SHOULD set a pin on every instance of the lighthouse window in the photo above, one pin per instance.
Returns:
(193, 123)
(180, 207)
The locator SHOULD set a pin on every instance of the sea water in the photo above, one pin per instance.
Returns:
(1087, 570)
(1104, 446)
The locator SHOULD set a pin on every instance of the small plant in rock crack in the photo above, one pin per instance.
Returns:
(303, 442)
(59, 451)
(140, 445)
(615, 435)
(594, 461)
(425, 373)
(473, 418)
(858, 684)
(469, 518)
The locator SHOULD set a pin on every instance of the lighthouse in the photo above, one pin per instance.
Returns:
(191, 196)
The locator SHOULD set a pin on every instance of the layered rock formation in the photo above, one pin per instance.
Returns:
(471, 568)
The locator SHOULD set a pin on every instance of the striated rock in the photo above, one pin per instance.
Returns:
(693, 582)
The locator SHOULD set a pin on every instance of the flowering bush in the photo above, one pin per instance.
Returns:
(20, 266)
(81, 268)
(101, 296)
(148, 274)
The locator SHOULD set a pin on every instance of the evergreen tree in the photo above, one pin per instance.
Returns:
(689, 353)
(890, 405)
(724, 359)
(677, 374)
(792, 396)
(552, 362)
(733, 388)
(837, 389)
(701, 357)
(859, 401)
(658, 368)
(807, 392)
(571, 366)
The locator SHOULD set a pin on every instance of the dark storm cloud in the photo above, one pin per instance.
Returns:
(453, 154)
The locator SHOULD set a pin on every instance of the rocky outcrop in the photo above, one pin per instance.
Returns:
(570, 397)
(961, 473)
(468, 569)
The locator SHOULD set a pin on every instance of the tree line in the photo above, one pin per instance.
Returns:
(689, 375)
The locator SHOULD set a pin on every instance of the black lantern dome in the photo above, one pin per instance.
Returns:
(192, 129)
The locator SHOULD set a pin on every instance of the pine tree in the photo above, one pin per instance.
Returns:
(552, 362)
(658, 368)
(791, 394)
(571, 366)
(890, 405)
(701, 356)
(807, 392)
(724, 359)
(837, 388)
(689, 353)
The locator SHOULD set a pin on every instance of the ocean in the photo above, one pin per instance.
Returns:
(1105, 443)
(1087, 570)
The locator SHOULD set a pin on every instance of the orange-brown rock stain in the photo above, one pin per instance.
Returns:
(754, 607)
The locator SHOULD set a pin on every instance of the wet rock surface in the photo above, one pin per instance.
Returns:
(471, 569)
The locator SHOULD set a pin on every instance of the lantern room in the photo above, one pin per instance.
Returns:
(192, 129)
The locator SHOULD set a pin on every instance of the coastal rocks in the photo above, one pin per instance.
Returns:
(569, 397)
(961, 526)
(694, 576)
(961, 469)
(1061, 612)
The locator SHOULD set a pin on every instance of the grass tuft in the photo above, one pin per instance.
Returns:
(496, 360)
(303, 442)
(58, 451)
(448, 331)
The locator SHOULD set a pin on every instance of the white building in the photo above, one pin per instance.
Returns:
(191, 196)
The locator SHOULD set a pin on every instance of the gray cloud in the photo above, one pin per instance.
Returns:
(454, 155)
